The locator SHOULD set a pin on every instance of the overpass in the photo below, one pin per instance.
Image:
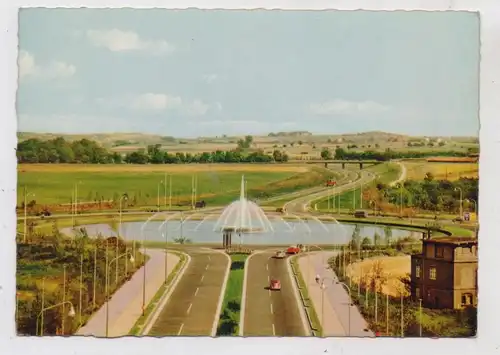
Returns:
(343, 162)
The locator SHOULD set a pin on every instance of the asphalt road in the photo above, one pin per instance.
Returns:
(192, 307)
(302, 204)
(270, 313)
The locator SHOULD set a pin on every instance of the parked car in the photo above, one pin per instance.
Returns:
(360, 214)
(275, 285)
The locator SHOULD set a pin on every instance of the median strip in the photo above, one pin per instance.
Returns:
(229, 318)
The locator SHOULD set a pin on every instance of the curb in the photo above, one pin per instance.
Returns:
(298, 297)
(222, 293)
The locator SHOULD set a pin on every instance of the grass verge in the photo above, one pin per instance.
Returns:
(231, 306)
(165, 287)
(312, 316)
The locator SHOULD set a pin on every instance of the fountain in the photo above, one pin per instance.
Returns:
(243, 216)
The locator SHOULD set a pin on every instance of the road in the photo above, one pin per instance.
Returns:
(302, 204)
(192, 307)
(125, 306)
(270, 313)
(338, 318)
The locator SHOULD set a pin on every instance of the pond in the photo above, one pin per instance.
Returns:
(284, 233)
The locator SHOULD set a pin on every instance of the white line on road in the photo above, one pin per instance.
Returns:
(268, 278)
(180, 330)
(207, 267)
(209, 258)
(196, 292)
(274, 331)
(267, 267)
(202, 278)
(271, 305)
(269, 293)
(189, 308)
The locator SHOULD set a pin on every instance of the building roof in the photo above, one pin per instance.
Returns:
(454, 240)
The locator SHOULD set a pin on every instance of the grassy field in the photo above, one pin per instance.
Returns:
(351, 200)
(53, 184)
(231, 306)
(394, 268)
(441, 171)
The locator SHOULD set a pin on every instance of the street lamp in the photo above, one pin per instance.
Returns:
(26, 194)
(400, 186)
(475, 211)
(71, 314)
(165, 235)
(123, 197)
(75, 208)
(349, 303)
(108, 267)
(461, 201)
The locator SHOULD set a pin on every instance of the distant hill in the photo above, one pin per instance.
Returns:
(132, 141)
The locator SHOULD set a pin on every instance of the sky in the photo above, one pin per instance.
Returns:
(190, 73)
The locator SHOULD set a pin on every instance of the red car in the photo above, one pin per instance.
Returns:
(330, 183)
(293, 250)
(275, 285)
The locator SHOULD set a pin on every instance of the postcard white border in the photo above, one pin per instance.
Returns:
(488, 340)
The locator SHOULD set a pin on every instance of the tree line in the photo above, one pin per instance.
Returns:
(388, 154)
(86, 151)
(428, 195)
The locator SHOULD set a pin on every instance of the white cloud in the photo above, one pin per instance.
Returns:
(160, 102)
(55, 69)
(125, 41)
(210, 78)
(344, 107)
(150, 101)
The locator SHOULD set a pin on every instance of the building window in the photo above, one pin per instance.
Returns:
(432, 273)
(417, 271)
(417, 293)
(466, 299)
(439, 252)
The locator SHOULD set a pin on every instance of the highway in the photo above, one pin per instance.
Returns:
(354, 179)
(192, 308)
(266, 312)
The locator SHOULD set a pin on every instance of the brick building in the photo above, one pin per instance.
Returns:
(444, 275)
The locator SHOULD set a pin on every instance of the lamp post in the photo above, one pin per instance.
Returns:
(94, 283)
(64, 297)
(108, 267)
(361, 196)
(349, 303)
(71, 314)
(400, 199)
(461, 201)
(26, 194)
(170, 193)
(165, 190)
(76, 199)
(123, 197)
(475, 211)
(81, 289)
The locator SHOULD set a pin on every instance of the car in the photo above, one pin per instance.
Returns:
(275, 285)
(280, 254)
(293, 249)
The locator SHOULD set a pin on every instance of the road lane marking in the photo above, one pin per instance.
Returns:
(271, 306)
(206, 268)
(180, 330)
(267, 266)
(202, 278)
(189, 308)
(274, 331)
(268, 278)
(269, 293)
(196, 292)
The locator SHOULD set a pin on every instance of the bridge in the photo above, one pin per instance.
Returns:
(344, 162)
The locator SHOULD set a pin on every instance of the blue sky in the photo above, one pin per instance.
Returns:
(205, 73)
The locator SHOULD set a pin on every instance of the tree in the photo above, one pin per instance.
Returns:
(326, 154)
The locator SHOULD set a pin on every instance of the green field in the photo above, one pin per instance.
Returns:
(351, 200)
(57, 187)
